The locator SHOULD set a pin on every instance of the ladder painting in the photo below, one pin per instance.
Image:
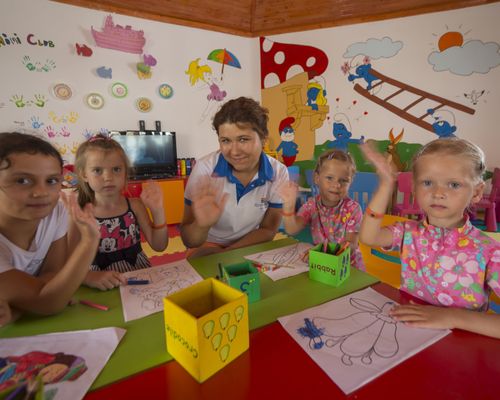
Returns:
(405, 111)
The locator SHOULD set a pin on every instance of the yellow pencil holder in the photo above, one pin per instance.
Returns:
(206, 326)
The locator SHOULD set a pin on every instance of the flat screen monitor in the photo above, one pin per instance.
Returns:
(152, 154)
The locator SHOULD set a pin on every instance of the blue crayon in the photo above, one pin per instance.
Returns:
(137, 282)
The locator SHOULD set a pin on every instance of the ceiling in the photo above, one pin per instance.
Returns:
(252, 18)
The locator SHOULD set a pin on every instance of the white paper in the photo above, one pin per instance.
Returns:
(69, 362)
(291, 256)
(141, 300)
(354, 340)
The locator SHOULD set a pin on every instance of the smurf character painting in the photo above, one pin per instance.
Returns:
(443, 124)
(342, 133)
(287, 146)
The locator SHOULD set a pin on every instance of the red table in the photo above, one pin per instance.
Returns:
(460, 366)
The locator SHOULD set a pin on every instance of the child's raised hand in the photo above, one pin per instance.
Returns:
(5, 314)
(152, 195)
(104, 280)
(288, 193)
(384, 167)
(208, 203)
(424, 316)
(84, 218)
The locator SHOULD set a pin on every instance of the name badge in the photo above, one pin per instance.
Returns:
(263, 204)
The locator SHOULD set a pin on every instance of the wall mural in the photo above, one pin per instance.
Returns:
(202, 75)
(293, 88)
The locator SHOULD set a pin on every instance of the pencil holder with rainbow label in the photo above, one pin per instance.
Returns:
(332, 267)
(206, 326)
(245, 277)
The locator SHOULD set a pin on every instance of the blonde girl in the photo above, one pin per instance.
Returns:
(102, 169)
(445, 260)
(332, 215)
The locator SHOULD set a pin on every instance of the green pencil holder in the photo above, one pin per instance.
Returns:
(244, 277)
(327, 267)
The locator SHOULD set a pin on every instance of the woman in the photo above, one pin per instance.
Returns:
(232, 198)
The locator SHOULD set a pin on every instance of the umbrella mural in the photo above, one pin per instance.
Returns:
(225, 57)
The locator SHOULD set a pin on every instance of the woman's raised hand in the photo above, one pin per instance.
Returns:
(208, 202)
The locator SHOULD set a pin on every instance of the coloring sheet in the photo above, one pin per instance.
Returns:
(67, 362)
(141, 300)
(289, 256)
(354, 340)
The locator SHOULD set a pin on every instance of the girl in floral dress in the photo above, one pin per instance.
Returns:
(444, 259)
(332, 215)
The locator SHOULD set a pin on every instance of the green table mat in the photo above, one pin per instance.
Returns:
(143, 346)
(285, 296)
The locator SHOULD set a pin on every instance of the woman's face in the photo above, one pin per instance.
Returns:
(240, 147)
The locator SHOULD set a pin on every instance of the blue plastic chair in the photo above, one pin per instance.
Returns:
(294, 173)
(310, 182)
(363, 187)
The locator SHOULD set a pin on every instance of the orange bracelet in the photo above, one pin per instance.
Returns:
(158, 226)
(290, 214)
(373, 214)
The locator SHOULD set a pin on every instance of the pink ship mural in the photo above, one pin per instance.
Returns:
(119, 38)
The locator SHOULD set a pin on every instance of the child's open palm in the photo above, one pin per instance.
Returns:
(84, 218)
(385, 169)
(152, 195)
(288, 193)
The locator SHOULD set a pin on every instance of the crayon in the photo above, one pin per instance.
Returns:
(133, 281)
(270, 267)
(342, 248)
(94, 305)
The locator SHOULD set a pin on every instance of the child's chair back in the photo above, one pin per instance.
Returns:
(310, 182)
(408, 205)
(490, 202)
(363, 187)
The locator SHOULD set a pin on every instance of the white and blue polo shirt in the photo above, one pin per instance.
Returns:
(245, 206)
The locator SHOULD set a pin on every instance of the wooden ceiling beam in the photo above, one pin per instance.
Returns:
(252, 18)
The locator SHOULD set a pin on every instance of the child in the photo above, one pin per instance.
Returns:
(36, 274)
(333, 216)
(102, 167)
(445, 260)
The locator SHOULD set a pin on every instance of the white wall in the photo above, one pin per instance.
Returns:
(419, 35)
(173, 47)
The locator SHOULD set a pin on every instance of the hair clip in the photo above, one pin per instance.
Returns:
(99, 136)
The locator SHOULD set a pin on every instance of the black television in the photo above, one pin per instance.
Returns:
(152, 154)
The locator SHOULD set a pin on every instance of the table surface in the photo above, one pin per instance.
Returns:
(462, 365)
(143, 346)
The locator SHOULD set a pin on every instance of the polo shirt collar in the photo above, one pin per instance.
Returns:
(224, 169)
